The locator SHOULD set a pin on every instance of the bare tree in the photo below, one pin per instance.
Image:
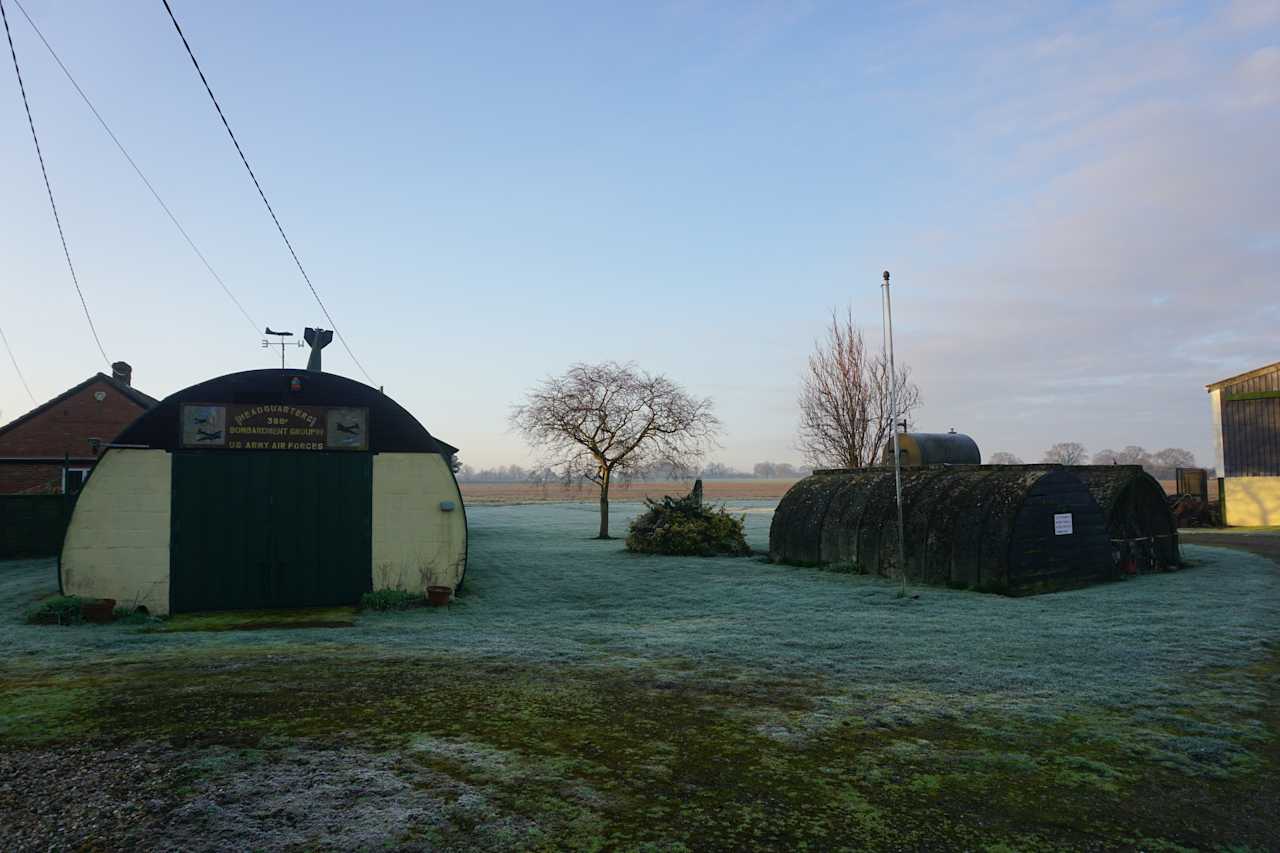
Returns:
(605, 421)
(1131, 455)
(1002, 457)
(718, 471)
(844, 399)
(1164, 464)
(764, 470)
(1173, 457)
(1067, 453)
(1134, 455)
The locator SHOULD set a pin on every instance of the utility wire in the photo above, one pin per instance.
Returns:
(263, 195)
(120, 145)
(48, 188)
(17, 369)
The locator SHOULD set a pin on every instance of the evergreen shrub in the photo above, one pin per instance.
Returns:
(684, 527)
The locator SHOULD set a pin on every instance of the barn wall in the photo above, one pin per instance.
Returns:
(1215, 410)
(1252, 501)
(1251, 436)
(415, 543)
(117, 544)
(1250, 424)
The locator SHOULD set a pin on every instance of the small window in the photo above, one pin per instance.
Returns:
(73, 480)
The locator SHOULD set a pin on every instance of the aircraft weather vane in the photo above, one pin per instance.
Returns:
(282, 343)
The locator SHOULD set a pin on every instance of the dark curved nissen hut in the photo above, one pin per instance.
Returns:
(1009, 529)
(264, 489)
(1144, 535)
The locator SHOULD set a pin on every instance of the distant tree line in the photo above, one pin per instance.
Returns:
(779, 471)
(1161, 464)
(655, 471)
(501, 474)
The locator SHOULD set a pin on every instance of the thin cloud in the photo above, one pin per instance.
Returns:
(1098, 311)
(1253, 14)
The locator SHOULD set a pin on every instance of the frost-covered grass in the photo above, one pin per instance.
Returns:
(539, 588)
(567, 662)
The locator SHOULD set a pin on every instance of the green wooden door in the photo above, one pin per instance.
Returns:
(266, 529)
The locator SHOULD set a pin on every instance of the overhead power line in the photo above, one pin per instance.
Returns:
(263, 195)
(136, 169)
(17, 369)
(48, 187)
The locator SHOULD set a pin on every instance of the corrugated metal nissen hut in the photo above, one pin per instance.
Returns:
(994, 528)
(266, 489)
(1013, 529)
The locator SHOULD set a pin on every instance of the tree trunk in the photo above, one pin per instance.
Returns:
(604, 506)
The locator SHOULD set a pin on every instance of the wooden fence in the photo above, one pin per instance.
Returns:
(33, 525)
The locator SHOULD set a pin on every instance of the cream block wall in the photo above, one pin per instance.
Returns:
(416, 544)
(117, 544)
(1252, 501)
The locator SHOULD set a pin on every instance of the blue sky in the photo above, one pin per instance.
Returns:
(1078, 202)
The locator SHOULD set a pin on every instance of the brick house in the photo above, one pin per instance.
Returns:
(51, 449)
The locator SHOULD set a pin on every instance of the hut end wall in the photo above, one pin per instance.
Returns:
(416, 543)
(117, 544)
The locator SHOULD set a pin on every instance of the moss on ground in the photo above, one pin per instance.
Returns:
(43, 710)
(594, 758)
(250, 620)
(579, 698)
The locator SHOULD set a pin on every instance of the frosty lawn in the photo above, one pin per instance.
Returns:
(576, 694)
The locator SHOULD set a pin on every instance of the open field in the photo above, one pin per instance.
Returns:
(714, 490)
(577, 697)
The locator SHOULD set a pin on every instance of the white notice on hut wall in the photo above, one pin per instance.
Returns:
(1061, 524)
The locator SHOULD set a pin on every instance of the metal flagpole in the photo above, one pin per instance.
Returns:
(893, 427)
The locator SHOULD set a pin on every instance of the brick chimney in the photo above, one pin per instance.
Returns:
(122, 372)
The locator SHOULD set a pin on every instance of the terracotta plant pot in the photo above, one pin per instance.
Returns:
(439, 595)
(101, 611)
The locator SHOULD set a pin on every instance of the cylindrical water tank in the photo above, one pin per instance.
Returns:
(933, 448)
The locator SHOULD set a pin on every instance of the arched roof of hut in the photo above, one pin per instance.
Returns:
(391, 427)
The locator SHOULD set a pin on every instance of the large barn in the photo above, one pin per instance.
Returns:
(1246, 424)
(266, 489)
